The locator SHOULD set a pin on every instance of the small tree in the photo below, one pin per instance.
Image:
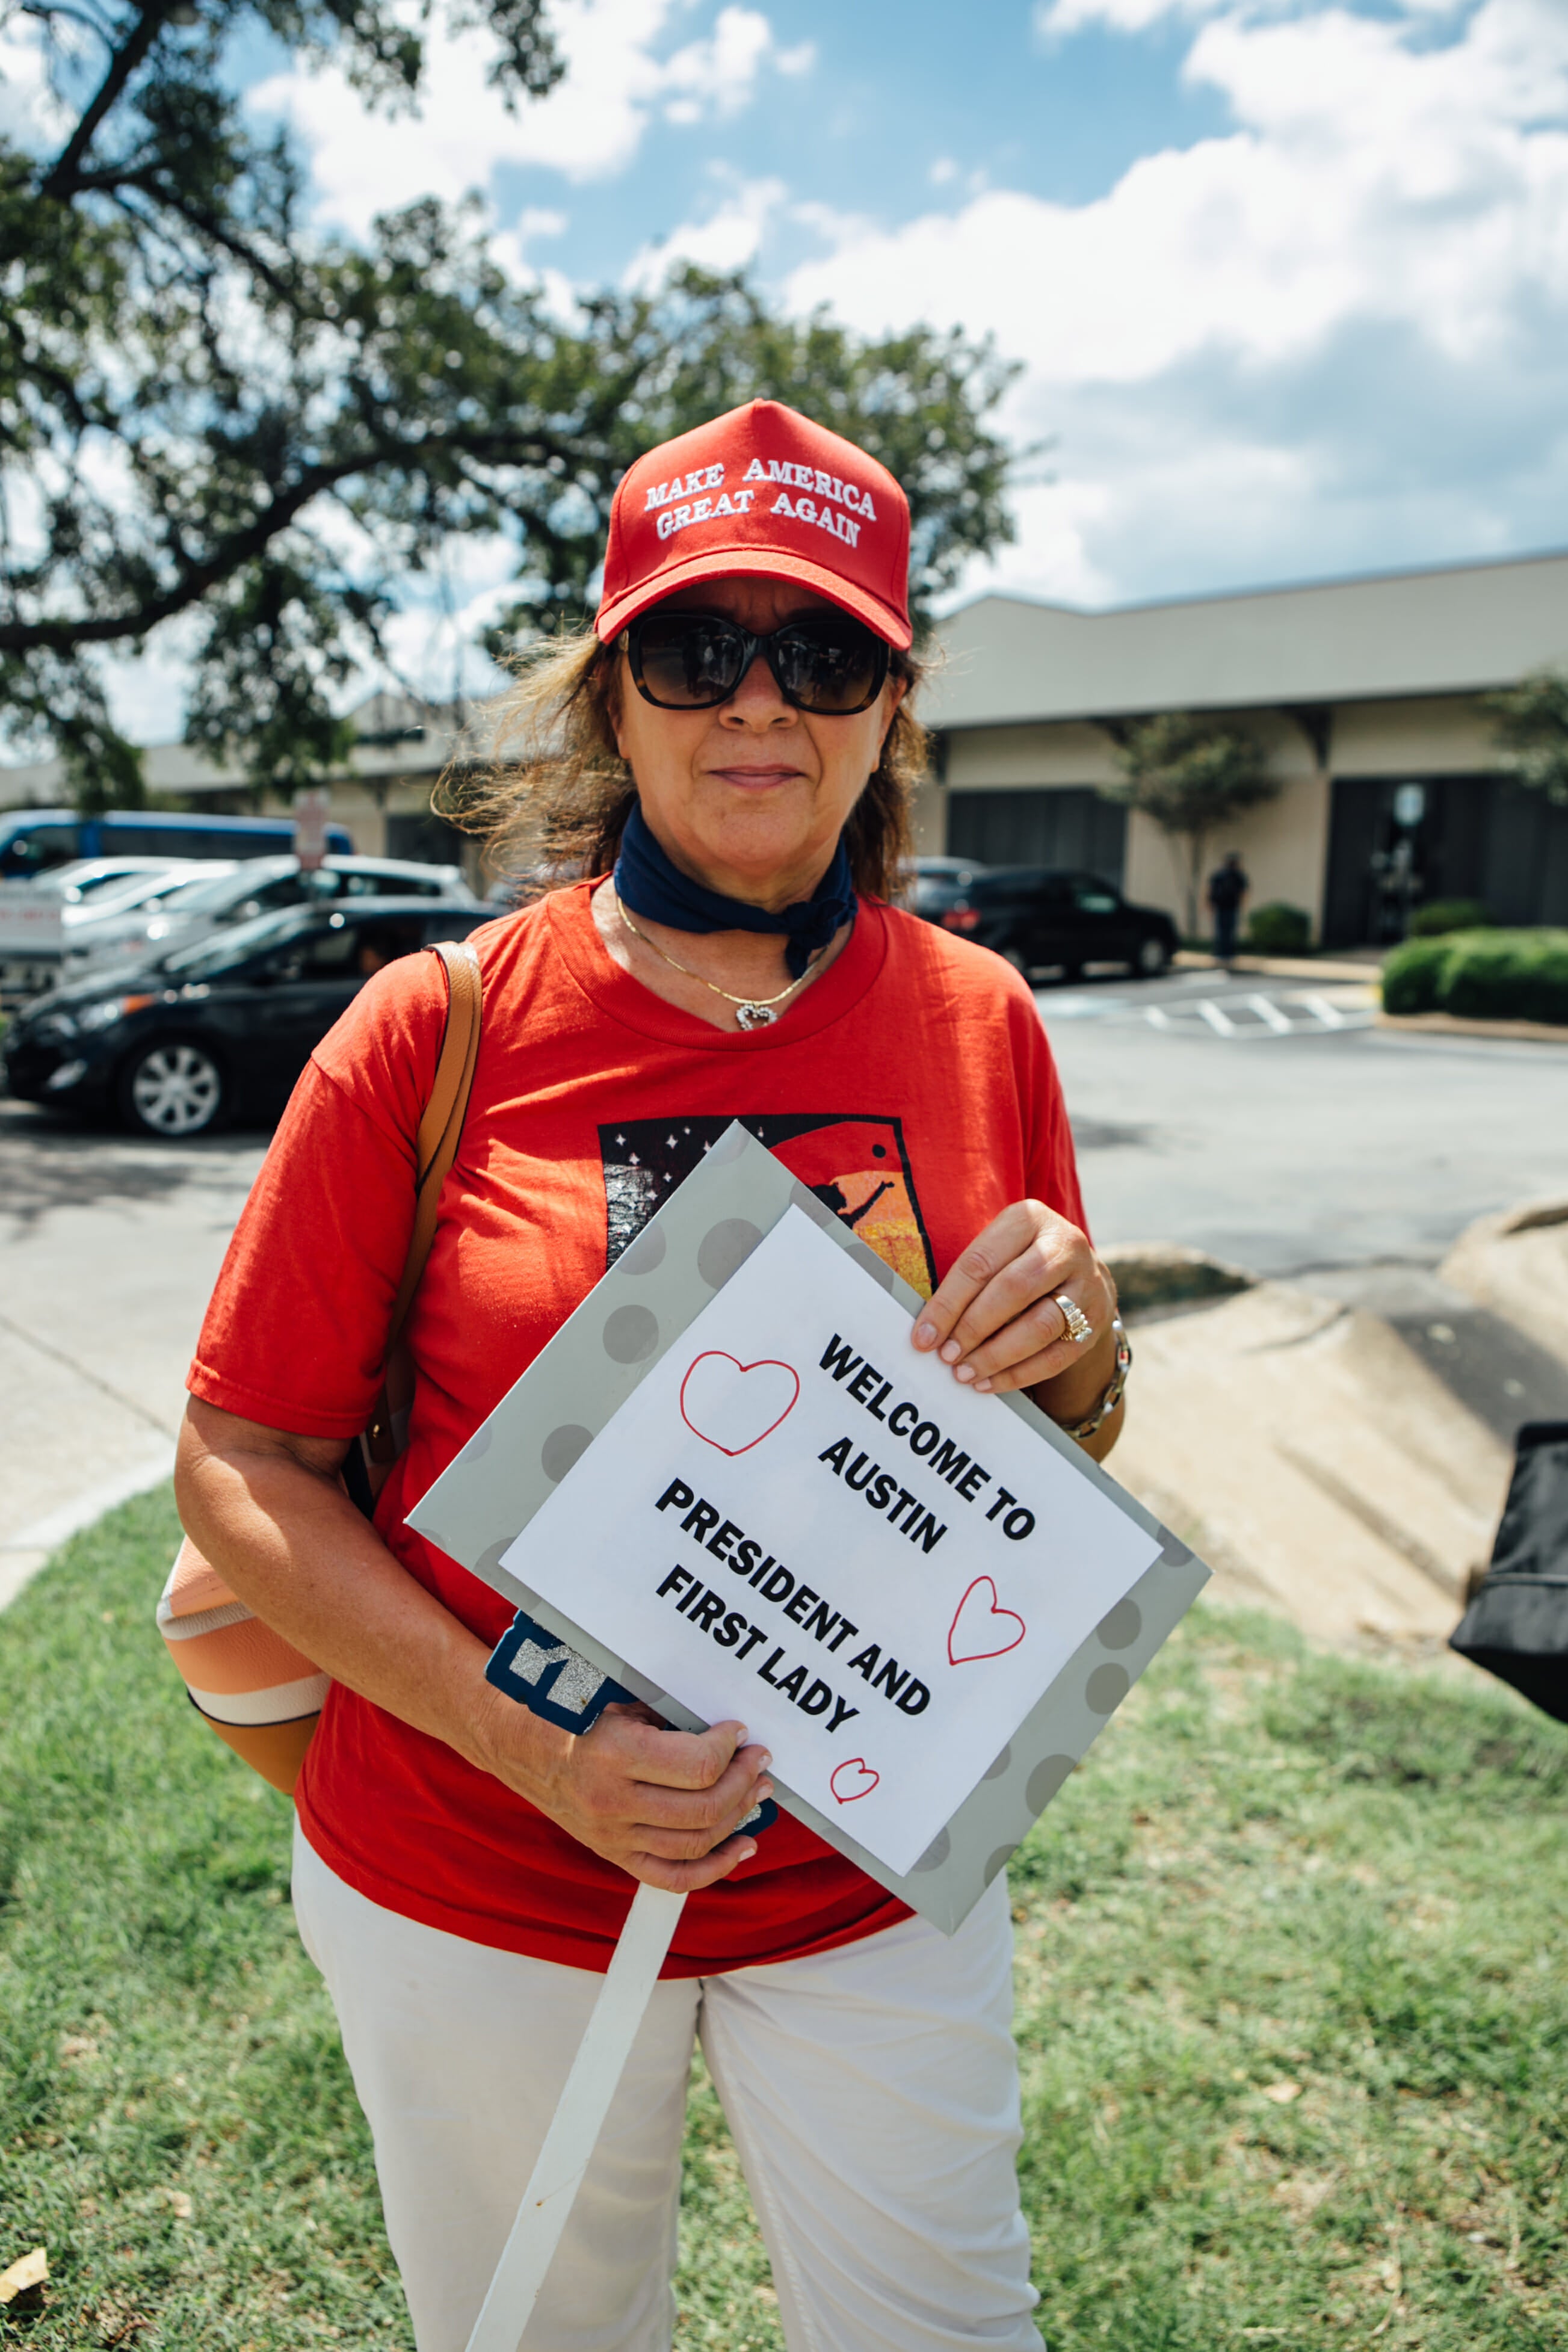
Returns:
(1531, 725)
(1191, 775)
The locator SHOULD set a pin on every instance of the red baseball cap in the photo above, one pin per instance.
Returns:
(763, 493)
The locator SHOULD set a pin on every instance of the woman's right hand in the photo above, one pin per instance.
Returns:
(662, 1805)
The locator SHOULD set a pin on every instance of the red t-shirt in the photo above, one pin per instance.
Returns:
(910, 1086)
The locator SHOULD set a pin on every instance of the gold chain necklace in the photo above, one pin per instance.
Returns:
(751, 1012)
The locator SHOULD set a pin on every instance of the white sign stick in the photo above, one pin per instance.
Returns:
(574, 2128)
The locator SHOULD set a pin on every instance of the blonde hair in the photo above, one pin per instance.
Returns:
(555, 790)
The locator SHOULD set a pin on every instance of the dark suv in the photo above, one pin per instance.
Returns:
(1038, 918)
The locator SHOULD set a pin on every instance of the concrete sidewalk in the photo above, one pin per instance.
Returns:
(108, 1247)
(1342, 1465)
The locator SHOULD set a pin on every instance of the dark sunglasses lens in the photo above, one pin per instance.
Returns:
(829, 666)
(689, 660)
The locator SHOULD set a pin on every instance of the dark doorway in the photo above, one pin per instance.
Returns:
(1073, 828)
(1481, 837)
(427, 837)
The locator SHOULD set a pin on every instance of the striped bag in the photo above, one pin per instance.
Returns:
(260, 1694)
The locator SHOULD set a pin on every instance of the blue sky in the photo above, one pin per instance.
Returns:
(889, 94)
(1288, 278)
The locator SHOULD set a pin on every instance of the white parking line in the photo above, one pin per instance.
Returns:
(1268, 1012)
(1304, 1012)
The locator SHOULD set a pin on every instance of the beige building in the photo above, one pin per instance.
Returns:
(1354, 688)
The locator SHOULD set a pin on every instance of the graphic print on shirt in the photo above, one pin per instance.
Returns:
(857, 1165)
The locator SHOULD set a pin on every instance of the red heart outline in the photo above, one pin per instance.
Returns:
(869, 1778)
(724, 1356)
(993, 1608)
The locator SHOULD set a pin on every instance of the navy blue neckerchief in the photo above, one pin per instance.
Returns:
(648, 883)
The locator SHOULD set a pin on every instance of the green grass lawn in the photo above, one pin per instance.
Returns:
(1291, 2001)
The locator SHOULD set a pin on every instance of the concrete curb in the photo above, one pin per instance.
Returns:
(1278, 967)
(1450, 1025)
(24, 1553)
(1157, 1278)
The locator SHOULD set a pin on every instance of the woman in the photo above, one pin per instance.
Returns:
(735, 742)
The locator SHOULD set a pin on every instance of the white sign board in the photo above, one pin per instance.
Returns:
(312, 807)
(31, 920)
(799, 1521)
(927, 1597)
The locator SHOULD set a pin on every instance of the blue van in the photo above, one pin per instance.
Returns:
(32, 840)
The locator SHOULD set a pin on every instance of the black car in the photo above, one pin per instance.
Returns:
(932, 885)
(221, 1028)
(1038, 918)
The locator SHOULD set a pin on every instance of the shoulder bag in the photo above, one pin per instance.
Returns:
(1517, 1625)
(262, 1697)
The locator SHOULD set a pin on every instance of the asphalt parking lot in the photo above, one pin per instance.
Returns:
(1295, 1147)
(1326, 1146)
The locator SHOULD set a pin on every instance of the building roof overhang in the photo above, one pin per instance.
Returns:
(1010, 661)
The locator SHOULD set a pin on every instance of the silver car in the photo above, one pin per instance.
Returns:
(65, 909)
(257, 887)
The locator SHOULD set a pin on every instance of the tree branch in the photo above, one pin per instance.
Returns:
(61, 179)
(241, 547)
(49, 9)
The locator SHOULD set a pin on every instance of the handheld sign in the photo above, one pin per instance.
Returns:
(888, 1520)
(798, 1521)
(729, 1487)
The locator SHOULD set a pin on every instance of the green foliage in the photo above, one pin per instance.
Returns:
(1292, 2012)
(1411, 975)
(1191, 775)
(918, 401)
(208, 412)
(1441, 914)
(1531, 722)
(1485, 975)
(1278, 929)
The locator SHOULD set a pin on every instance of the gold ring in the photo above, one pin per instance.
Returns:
(1079, 1330)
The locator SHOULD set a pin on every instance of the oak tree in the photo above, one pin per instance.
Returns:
(216, 419)
(1530, 724)
(1191, 775)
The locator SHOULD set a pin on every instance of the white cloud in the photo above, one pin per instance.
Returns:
(718, 76)
(618, 81)
(510, 247)
(28, 113)
(1395, 181)
(1063, 17)
(728, 238)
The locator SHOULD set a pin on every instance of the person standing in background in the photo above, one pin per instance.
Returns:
(1228, 885)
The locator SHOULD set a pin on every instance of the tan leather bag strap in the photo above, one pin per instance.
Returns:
(435, 1147)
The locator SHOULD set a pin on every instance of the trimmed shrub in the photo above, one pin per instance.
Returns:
(1448, 915)
(1482, 975)
(1509, 976)
(1278, 930)
(1410, 975)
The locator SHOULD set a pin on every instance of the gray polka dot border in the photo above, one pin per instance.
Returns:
(725, 1249)
(631, 1335)
(651, 1293)
(563, 1449)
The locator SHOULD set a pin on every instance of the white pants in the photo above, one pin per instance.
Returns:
(872, 2092)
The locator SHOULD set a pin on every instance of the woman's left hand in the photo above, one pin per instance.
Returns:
(995, 1318)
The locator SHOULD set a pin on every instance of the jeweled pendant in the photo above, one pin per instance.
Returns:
(755, 1016)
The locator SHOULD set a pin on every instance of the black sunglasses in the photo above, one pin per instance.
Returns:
(824, 663)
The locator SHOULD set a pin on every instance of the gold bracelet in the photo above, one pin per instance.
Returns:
(1113, 1397)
